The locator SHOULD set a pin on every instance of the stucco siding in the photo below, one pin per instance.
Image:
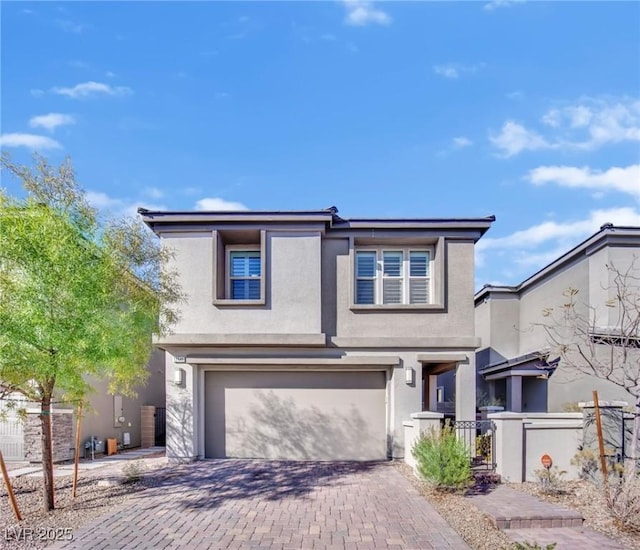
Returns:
(292, 302)
(549, 294)
(99, 418)
(454, 319)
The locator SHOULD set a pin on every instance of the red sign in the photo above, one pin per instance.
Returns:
(546, 461)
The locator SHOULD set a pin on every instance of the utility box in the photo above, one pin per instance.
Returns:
(112, 446)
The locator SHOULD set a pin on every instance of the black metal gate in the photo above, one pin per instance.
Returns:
(479, 439)
(160, 426)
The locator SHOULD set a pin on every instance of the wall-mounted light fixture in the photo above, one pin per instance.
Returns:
(178, 376)
(409, 375)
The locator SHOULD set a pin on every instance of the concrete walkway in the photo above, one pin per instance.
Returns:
(273, 505)
(525, 518)
(35, 470)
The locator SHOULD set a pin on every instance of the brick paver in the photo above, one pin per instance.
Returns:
(525, 518)
(511, 509)
(264, 504)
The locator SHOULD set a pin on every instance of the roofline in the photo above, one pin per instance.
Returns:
(155, 218)
(595, 242)
(514, 361)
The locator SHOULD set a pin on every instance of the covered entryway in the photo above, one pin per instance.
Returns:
(296, 415)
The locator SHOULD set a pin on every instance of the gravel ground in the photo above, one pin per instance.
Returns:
(585, 497)
(478, 532)
(92, 501)
(471, 524)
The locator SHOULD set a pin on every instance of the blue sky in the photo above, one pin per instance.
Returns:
(526, 110)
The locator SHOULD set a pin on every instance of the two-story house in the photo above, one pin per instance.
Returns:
(308, 336)
(513, 361)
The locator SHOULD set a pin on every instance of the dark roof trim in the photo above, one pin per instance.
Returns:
(514, 361)
(609, 234)
(155, 219)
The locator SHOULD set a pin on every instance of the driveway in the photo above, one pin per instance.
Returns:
(269, 504)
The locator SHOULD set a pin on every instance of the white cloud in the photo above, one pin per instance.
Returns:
(35, 92)
(515, 95)
(75, 27)
(461, 142)
(495, 4)
(110, 74)
(456, 70)
(91, 88)
(448, 71)
(584, 125)
(515, 138)
(362, 12)
(51, 121)
(625, 180)
(30, 141)
(154, 192)
(216, 203)
(119, 206)
(551, 231)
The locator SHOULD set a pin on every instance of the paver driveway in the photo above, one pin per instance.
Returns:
(266, 504)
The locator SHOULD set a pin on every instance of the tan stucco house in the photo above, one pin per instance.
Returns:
(308, 336)
(515, 361)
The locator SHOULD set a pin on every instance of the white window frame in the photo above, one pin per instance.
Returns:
(405, 276)
(227, 271)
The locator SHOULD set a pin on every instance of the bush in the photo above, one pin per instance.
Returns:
(533, 546)
(623, 499)
(443, 459)
(133, 471)
(550, 480)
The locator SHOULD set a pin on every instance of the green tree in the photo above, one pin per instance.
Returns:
(78, 296)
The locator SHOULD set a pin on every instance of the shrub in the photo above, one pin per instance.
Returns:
(132, 471)
(525, 545)
(443, 459)
(623, 498)
(483, 445)
(550, 480)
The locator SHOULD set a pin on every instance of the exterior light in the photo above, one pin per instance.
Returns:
(409, 375)
(178, 376)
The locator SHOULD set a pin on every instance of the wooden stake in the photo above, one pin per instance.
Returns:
(76, 459)
(7, 482)
(603, 461)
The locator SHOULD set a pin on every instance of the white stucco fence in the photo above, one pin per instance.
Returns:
(521, 440)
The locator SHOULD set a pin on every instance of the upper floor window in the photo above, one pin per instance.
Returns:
(393, 276)
(244, 274)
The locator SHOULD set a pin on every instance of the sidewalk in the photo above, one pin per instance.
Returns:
(524, 518)
(35, 470)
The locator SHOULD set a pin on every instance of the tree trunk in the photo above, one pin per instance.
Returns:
(47, 451)
(636, 430)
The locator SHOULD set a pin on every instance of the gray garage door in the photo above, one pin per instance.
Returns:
(295, 415)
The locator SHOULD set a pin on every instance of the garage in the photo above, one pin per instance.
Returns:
(295, 415)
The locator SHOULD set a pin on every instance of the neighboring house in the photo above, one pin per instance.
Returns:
(309, 336)
(107, 417)
(514, 366)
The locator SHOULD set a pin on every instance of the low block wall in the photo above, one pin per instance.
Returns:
(420, 423)
(523, 438)
(62, 428)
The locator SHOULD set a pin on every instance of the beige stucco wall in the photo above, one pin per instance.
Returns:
(292, 271)
(309, 282)
(590, 276)
(99, 419)
(497, 324)
(548, 294)
(455, 319)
